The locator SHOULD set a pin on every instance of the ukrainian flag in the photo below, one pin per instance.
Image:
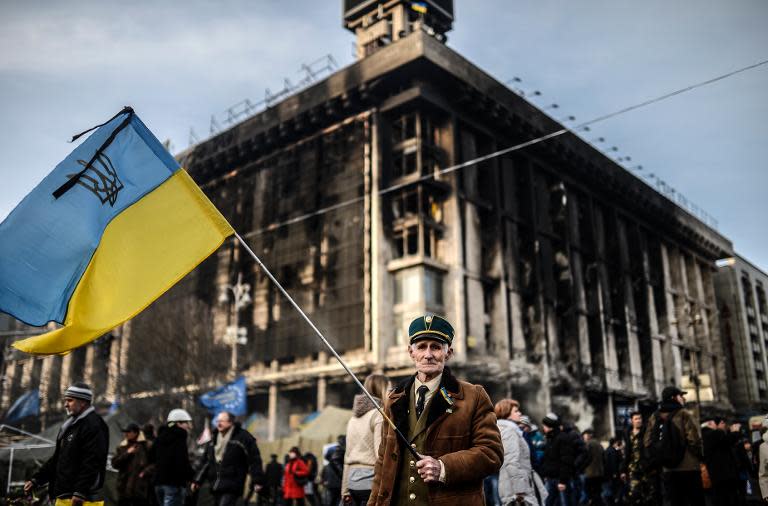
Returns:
(131, 226)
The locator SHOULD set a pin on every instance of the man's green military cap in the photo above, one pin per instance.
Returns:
(430, 327)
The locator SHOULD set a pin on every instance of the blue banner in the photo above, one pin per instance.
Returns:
(230, 397)
(26, 405)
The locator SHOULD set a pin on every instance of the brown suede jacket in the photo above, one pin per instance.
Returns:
(464, 436)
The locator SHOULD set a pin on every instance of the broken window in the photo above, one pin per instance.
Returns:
(404, 163)
(416, 222)
(404, 127)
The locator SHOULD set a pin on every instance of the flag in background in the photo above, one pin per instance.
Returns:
(26, 405)
(419, 7)
(230, 397)
(126, 223)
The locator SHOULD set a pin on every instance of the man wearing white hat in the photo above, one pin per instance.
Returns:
(76, 470)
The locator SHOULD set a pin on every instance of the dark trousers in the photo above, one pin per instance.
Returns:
(132, 501)
(728, 494)
(294, 502)
(225, 499)
(594, 489)
(683, 488)
(333, 495)
(360, 497)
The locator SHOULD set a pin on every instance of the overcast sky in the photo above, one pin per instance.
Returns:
(65, 66)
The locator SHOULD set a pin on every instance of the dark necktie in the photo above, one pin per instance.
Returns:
(423, 389)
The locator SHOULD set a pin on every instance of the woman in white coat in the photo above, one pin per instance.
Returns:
(516, 484)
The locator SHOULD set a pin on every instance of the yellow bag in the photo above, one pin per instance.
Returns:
(68, 502)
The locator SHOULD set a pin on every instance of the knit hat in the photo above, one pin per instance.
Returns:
(551, 420)
(80, 391)
(671, 392)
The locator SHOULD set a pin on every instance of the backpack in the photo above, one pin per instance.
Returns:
(667, 444)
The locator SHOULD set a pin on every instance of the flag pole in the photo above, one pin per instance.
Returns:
(328, 345)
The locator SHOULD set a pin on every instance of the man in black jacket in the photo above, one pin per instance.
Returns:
(230, 456)
(557, 464)
(79, 462)
(170, 459)
(720, 459)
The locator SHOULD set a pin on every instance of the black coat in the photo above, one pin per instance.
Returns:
(274, 474)
(170, 457)
(558, 459)
(241, 457)
(78, 465)
(720, 456)
(612, 459)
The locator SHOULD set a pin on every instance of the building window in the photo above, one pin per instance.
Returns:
(407, 287)
(404, 128)
(433, 288)
(404, 163)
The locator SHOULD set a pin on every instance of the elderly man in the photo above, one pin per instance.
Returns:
(449, 423)
(229, 458)
(76, 470)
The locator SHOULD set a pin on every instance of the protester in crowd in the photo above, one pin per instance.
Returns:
(679, 451)
(612, 459)
(557, 464)
(310, 488)
(78, 465)
(720, 458)
(295, 477)
(274, 477)
(515, 479)
(747, 472)
(363, 441)
(432, 401)
(762, 461)
(170, 459)
(333, 472)
(228, 458)
(594, 473)
(131, 459)
(636, 473)
(580, 461)
(536, 441)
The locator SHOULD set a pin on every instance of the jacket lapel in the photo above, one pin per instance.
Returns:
(400, 406)
(439, 405)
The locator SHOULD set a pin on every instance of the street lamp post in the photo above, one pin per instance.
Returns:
(236, 335)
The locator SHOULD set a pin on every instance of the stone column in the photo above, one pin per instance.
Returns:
(673, 360)
(630, 313)
(88, 373)
(611, 361)
(9, 380)
(582, 327)
(272, 407)
(322, 385)
(66, 372)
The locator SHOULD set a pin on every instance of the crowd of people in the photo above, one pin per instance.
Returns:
(437, 441)
(664, 460)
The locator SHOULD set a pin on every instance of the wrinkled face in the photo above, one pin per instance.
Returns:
(74, 407)
(515, 414)
(429, 356)
(637, 422)
(223, 423)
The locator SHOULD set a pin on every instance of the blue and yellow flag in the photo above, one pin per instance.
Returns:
(114, 226)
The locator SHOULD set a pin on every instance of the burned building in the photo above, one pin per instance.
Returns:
(740, 289)
(572, 285)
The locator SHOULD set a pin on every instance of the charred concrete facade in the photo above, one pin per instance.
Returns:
(740, 288)
(572, 285)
